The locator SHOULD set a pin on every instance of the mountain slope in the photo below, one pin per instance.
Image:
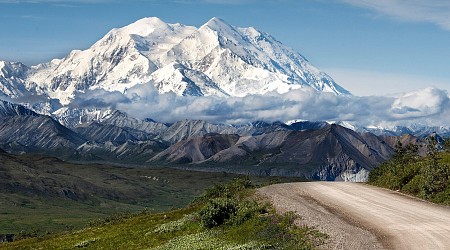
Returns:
(330, 153)
(23, 130)
(197, 149)
(244, 61)
(8, 109)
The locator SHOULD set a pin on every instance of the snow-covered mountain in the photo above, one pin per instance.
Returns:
(13, 80)
(414, 129)
(215, 59)
(418, 130)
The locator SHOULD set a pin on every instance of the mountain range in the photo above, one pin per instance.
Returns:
(151, 57)
(48, 109)
(315, 150)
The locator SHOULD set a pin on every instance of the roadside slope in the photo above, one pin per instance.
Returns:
(359, 216)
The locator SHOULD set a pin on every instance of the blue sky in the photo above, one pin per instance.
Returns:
(369, 47)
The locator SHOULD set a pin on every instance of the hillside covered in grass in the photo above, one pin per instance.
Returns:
(228, 216)
(40, 194)
(427, 177)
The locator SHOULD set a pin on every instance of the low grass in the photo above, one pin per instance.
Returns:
(37, 215)
(40, 194)
(253, 224)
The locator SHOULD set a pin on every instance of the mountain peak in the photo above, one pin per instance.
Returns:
(216, 20)
(151, 21)
(145, 26)
(217, 24)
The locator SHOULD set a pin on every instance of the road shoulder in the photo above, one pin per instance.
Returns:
(343, 232)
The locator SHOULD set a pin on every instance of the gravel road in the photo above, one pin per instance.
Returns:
(360, 216)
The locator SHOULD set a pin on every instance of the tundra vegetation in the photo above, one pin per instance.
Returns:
(427, 176)
(227, 216)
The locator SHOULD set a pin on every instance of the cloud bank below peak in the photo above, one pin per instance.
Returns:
(429, 106)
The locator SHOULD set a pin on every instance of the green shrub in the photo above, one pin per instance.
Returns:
(227, 203)
(442, 197)
(447, 144)
(414, 186)
(426, 177)
(436, 178)
(226, 190)
(246, 210)
(217, 212)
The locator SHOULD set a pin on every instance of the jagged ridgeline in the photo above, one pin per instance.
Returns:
(304, 149)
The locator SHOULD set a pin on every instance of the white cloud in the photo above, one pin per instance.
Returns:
(426, 106)
(420, 103)
(431, 11)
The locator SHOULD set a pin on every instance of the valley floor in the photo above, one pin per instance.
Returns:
(359, 216)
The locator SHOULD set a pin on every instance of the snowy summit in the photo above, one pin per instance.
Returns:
(215, 59)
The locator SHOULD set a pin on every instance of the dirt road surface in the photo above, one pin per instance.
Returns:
(360, 216)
